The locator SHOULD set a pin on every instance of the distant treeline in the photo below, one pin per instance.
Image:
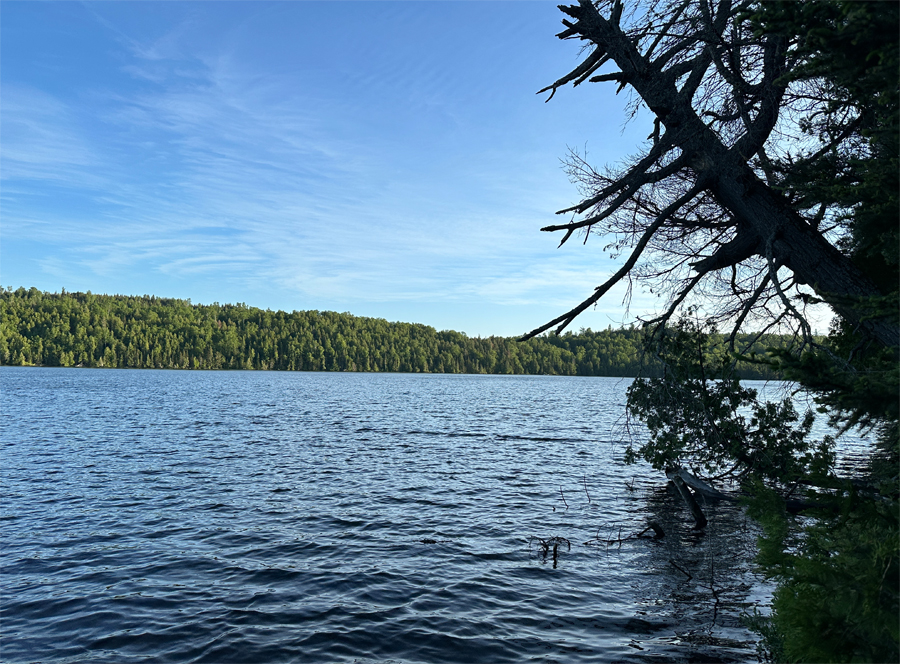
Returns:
(82, 329)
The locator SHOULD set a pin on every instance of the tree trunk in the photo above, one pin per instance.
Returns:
(766, 224)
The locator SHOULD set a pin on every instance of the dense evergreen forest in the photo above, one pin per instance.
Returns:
(83, 329)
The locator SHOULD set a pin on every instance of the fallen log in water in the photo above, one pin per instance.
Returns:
(696, 483)
(792, 505)
(693, 505)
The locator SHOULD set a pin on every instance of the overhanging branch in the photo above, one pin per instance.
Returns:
(564, 320)
(610, 209)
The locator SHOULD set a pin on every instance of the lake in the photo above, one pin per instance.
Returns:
(180, 516)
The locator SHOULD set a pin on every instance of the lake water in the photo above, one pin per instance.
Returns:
(323, 517)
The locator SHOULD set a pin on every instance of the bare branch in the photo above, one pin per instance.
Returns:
(636, 172)
(772, 92)
(594, 61)
(747, 308)
(612, 207)
(673, 306)
(743, 246)
(564, 320)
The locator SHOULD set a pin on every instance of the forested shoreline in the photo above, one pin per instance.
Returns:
(87, 330)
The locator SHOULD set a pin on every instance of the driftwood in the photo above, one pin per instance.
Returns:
(684, 481)
(681, 569)
(697, 484)
(685, 491)
(792, 505)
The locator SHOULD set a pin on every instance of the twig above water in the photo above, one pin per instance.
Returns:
(547, 544)
(658, 533)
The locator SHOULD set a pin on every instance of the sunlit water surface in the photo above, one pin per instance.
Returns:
(300, 517)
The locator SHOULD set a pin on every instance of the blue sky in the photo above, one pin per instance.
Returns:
(386, 159)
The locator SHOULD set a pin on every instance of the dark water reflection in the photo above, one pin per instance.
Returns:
(698, 585)
(268, 517)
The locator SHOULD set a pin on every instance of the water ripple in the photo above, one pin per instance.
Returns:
(246, 517)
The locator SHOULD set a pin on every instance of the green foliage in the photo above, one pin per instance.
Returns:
(699, 415)
(837, 568)
(848, 57)
(838, 595)
(857, 392)
(837, 599)
(82, 329)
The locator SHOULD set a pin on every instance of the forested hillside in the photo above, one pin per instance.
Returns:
(82, 329)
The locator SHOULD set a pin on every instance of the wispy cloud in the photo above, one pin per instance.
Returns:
(228, 152)
(42, 139)
(206, 168)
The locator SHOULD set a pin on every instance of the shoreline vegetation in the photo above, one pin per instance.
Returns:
(147, 332)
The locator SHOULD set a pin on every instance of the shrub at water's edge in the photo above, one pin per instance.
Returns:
(836, 565)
